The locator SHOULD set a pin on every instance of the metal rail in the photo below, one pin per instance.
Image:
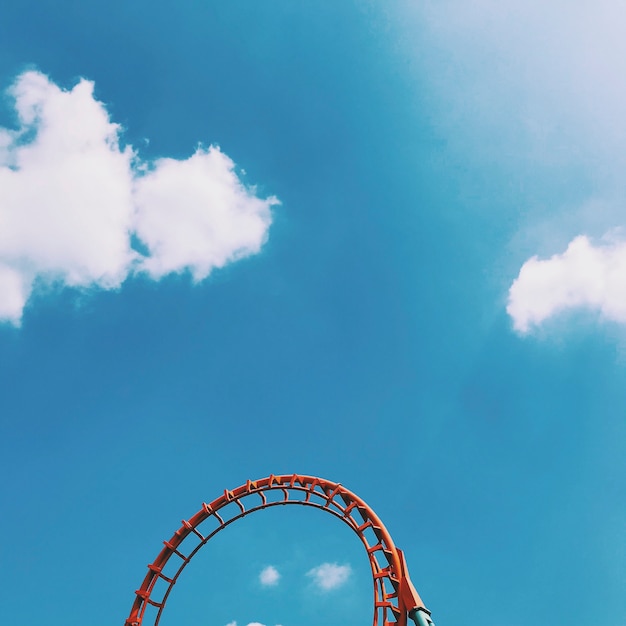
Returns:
(395, 597)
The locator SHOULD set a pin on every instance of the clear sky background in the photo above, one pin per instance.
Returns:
(377, 242)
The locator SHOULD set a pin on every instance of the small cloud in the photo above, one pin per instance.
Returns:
(585, 276)
(79, 210)
(233, 623)
(329, 576)
(269, 576)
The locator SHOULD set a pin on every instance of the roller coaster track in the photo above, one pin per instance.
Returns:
(395, 597)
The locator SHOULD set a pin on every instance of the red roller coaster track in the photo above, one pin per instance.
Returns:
(395, 597)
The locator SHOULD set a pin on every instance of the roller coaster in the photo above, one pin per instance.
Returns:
(395, 598)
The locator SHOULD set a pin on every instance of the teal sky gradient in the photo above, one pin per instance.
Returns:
(367, 343)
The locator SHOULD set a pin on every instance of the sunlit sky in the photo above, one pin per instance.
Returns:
(382, 243)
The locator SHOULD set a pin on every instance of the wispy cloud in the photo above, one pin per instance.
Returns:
(269, 576)
(548, 76)
(73, 201)
(329, 576)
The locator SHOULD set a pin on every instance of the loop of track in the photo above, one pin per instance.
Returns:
(388, 571)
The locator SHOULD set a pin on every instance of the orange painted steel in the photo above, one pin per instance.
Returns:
(394, 594)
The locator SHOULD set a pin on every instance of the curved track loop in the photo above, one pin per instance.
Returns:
(394, 594)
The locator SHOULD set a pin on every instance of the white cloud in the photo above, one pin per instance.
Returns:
(329, 576)
(234, 623)
(72, 199)
(250, 624)
(584, 276)
(535, 92)
(197, 215)
(269, 576)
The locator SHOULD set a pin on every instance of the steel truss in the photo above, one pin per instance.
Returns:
(395, 597)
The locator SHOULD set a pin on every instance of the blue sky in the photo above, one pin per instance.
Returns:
(379, 244)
